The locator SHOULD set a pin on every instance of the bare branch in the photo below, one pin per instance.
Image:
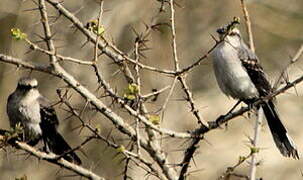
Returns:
(248, 25)
(54, 159)
(292, 61)
(255, 141)
(173, 28)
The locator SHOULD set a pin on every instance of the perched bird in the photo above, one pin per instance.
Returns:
(240, 75)
(27, 107)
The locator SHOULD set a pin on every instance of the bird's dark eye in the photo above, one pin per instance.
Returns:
(221, 31)
(26, 87)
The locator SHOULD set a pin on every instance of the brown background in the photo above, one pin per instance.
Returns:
(277, 28)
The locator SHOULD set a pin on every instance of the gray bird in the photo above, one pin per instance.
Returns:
(240, 75)
(27, 107)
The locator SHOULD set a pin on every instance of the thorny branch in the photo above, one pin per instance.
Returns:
(260, 115)
(50, 157)
(197, 133)
(145, 142)
(96, 135)
(189, 153)
(230, 170)
(248, 25)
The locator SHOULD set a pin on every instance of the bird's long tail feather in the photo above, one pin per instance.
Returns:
(279, 133)
(59, 146)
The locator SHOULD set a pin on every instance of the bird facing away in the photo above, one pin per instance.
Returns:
(240, 75)
(27, 107)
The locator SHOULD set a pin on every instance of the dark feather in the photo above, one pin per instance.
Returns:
(284, 142)
(53, 140)
(255, 71)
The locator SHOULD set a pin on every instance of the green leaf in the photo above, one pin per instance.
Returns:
(155, 119)
(98, 128)
(92, 25)
(242, 158)
(254, 150)
(131, 91)
(121, 149)
(99, 31)
(133, 88)
(17, 34)
(129, 96)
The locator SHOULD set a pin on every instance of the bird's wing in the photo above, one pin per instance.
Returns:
(282, 140)
(54, 141)
(49, 119)
(255, 71)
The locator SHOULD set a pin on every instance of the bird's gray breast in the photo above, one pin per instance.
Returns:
(25, 111)
(232, 77)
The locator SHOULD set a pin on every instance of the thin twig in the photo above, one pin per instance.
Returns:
(155, 93)
(138, 81)
(120, 123)
(212, 124)
(35, 47)
(188, 155)
(172, 87)
(248, 25)
(292, 61)
(260, 114)
(230, 170)
(174, 36)
(97, 135)
(97, 32)
(55, 159)
(199, 61)
(255, 141)
(226, 118)
(190, 99)
(47, 31)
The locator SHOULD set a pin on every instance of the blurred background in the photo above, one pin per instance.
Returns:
(277, 28)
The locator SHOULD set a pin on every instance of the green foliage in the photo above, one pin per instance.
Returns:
(17, 34)
(9, 138)
(242, 158)
(12, 134)
(121, 149)
(98, 128)
(155, 119)
(131, 91)
(93, 26)
(15, 132)
(254, 150)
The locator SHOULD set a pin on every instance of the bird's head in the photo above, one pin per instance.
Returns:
(230, 31)
(225, 31)
(27, 83)
(233, 35)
